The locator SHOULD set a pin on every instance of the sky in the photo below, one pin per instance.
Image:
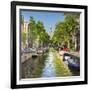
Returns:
(48, 18)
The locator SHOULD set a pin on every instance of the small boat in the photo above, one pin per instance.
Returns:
(34, 54)
(40, 51)
(74, 64)
(73, 61)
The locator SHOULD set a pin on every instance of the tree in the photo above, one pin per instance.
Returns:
(37, 33)
(66, 30)
(42, 34)
(32, 31)
(23, 37)
(73, 21)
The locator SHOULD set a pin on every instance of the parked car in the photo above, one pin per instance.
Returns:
(33, 51)
(40, 51)
(24, 51)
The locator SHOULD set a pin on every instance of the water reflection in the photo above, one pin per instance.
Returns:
(44, 65)
(49, 70)
(33, 68)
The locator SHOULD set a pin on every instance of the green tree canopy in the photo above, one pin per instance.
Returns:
(66, 30)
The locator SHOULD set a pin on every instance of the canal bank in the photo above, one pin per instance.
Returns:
(54, 65)
(61, 68)
(49, 64)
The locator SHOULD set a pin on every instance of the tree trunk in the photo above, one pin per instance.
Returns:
(75, 44)
(68, 44)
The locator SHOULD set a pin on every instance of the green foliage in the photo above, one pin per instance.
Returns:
(60, 67)
(32, 30)
(23, 37)
(64, 31)
(37, 31)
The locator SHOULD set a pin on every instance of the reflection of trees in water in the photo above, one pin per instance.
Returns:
(33, 67)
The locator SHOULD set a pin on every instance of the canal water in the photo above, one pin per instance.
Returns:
(41, 66)
(49, 70)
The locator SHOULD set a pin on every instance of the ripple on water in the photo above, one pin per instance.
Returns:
(48, 70)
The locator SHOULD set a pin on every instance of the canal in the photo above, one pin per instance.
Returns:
(48, 64)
